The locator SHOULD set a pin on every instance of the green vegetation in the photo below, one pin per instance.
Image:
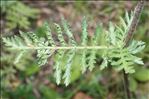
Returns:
(17, 14)
(86, 57)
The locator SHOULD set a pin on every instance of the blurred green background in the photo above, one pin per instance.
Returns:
(26, 80)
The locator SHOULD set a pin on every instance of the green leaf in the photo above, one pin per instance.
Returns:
(136, 46)
(48, 34)
(58, 67)
(141, 74)
(111, 48)
(92, 57)
(68, 32)
(133, 84)
(67, 73)
(84, 43)
(112, 33)
(104, 64)
(19, 57)
(60, 36)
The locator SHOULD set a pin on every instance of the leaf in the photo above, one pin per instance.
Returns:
(123, 23)
(68, 67)
(92, 57)
(133, 84)
(84, 43)
(138, 60)
(60, 36)
(104, 64)
(141, 74)
(58, 67)
(112, 33)
(68, 32)
(84, 32)
(111, 48)
(26, 37)
(19, 57)
(136, 46)
(48, 34)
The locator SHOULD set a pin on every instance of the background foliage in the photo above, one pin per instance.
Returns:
(27, 80)
(17, 14)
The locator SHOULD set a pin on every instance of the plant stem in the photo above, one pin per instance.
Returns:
(128, 38)
(135, 20)
(126, 85)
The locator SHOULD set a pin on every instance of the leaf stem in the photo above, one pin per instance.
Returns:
(64, 48)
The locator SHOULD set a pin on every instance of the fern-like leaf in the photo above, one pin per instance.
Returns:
(113, 51)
